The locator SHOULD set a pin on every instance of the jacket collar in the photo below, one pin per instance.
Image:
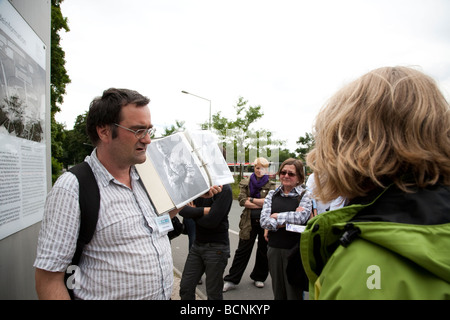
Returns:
(296, 190)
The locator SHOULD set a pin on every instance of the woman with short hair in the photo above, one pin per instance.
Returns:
(383, 143)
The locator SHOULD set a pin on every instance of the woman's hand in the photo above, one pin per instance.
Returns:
(257, 203)
(191, 204)
(275, 216)
(212, 192)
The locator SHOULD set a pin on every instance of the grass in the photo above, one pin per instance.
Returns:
(235, 188)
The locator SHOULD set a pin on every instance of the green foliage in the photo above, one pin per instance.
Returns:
(59, 77)
(58, 134)
(56, 169)
(240, 136)
(179, 126)
(285, 154)
(306, 144)
(246, 115)
(58, 81)
(77, 143)
(235, 189)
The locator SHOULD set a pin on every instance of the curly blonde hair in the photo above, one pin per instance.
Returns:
(391, 122)
(263, 162)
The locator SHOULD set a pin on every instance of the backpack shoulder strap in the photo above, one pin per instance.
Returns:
(300, 196)
(89, 199)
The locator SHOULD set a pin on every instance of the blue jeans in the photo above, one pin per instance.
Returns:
(208, 258)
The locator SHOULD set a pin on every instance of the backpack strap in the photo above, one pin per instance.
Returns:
(89, 199)
(300, 196)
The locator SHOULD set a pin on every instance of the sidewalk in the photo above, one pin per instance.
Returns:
(176, 287)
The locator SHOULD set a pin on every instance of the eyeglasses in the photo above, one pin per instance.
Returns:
(140, 133)
(290, 174)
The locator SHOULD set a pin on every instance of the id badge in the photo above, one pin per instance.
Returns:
(164, 223)
(295, 228)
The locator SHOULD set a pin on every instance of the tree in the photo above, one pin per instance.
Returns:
(245, 116)
(305, 144)
(179, 126)
(242, 142)
(58, 81)
(77, 143)
(285, 154)
(59, 77)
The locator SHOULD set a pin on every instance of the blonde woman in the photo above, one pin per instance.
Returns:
(383, 143)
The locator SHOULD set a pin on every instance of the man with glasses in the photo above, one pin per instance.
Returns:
(129, 256)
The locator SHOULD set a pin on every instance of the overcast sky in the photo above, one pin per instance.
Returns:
(288, 56)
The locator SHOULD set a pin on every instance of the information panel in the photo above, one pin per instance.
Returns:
(23, 182)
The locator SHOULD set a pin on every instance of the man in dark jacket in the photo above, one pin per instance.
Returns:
(210, 252)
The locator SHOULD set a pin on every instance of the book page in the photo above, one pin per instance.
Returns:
(178, 168)
(154, 186)
(207, 149)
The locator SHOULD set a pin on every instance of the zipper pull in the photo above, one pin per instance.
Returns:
(350, 234)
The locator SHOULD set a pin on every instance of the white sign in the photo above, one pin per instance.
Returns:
(23, 182)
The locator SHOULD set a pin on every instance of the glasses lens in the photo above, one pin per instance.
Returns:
(142, 133)
(290, 174)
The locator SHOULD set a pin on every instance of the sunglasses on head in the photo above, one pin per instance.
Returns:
(290, 174)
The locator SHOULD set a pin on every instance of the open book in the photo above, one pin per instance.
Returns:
(181, 167)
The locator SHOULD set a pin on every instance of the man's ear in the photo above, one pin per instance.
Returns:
(104, 133)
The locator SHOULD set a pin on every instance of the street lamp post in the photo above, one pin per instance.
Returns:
(203, 99)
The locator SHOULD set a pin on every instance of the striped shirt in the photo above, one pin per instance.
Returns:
(127, 258)
(293, 217)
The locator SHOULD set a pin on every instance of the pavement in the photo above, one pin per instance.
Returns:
(176, 287)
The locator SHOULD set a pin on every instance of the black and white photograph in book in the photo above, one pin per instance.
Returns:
(174, 160)
(181, 167)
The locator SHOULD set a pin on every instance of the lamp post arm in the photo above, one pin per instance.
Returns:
(196, 96)
(203, 99)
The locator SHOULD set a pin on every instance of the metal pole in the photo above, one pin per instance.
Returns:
(203, 99)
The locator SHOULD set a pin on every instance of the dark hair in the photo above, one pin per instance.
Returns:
(298, 168)
(105, 110)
